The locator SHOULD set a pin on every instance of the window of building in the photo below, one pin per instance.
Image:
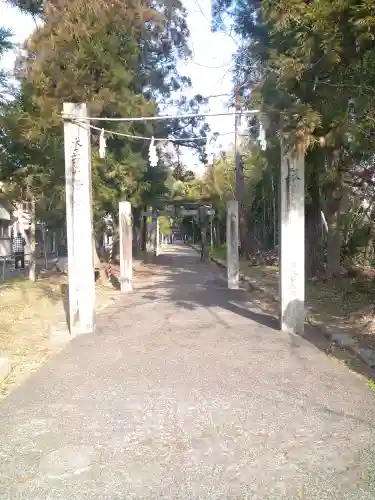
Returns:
(4, 228)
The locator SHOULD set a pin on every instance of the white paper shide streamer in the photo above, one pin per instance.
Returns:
(262, 138)
(152, 153)
(102, 144)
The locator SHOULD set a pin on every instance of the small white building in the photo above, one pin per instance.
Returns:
(6, 213)
(16, 217)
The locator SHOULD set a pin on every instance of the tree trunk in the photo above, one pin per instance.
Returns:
(204, 245)
(246, 239)
(313, 246)
(333, 244)
(45, 249)
(144, 234)
(96, 259)
(274, 213)
(137, 229)
(369, 248)
(204, 225)
(217, 234)
(98, 266)
(334, 199)
(264, 216)
(32, 263)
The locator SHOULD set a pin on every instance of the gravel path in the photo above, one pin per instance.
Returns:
(187, 391)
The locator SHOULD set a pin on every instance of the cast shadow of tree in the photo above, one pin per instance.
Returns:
(211, 291)
(179, 270)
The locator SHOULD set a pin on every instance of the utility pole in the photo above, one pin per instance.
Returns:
(233, 212)
(237, 154)
(240, 187)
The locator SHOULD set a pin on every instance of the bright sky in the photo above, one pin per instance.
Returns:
(209, 67)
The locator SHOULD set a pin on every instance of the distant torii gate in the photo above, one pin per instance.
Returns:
(179, 208)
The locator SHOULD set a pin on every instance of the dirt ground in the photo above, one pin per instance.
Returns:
(33, 322)
(346, 303)
(31, 312)
(343, 306)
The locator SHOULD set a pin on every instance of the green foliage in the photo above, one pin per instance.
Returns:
(180, 173)
(309, 66)
(121, 59)
(219, 252)
(32, 7)
(113, 181)
(5, 44)
(165, 225)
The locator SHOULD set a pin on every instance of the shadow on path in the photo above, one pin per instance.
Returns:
(185, 391)
(182, 266)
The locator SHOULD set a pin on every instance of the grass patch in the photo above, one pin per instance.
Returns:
(219, 252)
(28, 313)
(23, 301)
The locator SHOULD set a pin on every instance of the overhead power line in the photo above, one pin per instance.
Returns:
(193, 61)
(161, 117)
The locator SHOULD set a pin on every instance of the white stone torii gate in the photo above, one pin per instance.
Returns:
(291, 247)
(78, 184)
(81, 242)
(292, 243)
(126, 248)
(233, 264)
(79, 222)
